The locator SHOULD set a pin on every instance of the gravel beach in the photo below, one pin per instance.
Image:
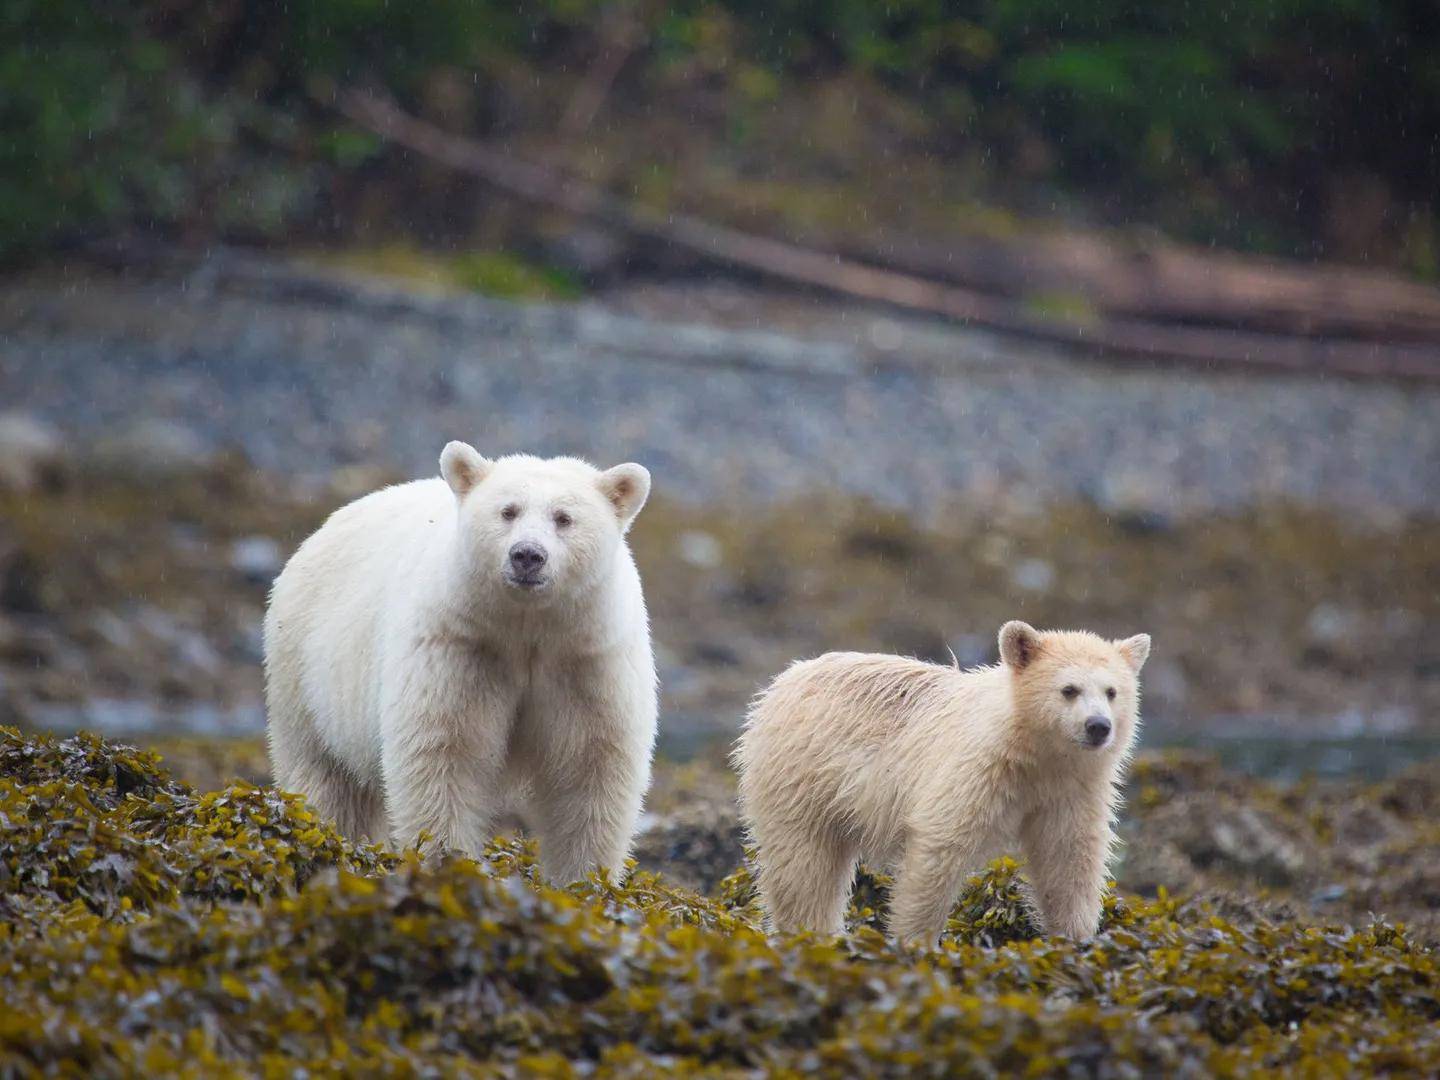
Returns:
(909, 412)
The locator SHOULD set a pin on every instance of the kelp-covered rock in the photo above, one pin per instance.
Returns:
(272, 947)
(106, 826)
(1332, 848)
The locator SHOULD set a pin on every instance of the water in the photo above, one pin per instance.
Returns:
(1291, 757)
(1279, 756)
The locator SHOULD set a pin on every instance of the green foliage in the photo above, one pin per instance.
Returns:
(499, 273)
(80, 110)
(491, 273)
(200, 116)
(303, 953)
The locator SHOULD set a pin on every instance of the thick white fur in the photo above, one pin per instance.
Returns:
(411, 687)
(930, 770)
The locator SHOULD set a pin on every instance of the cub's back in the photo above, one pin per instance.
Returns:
(831, 724)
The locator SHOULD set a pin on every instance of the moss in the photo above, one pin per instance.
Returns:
(502, 274)
(1066, 307)
(150, 930)
(508, 276)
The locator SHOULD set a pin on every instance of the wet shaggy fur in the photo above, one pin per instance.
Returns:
(930, 770)
(415, 684)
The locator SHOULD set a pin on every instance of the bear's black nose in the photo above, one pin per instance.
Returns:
(526, 557)
(1097, 730)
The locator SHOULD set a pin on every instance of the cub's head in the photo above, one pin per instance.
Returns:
(1075, 689)
(538, 526)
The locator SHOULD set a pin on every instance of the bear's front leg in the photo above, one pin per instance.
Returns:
(443, 755)
(588, 756)
(1066, 856)
(931, 873)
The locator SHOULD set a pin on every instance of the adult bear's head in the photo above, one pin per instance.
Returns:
(541, 527)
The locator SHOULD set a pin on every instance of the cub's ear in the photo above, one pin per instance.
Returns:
(1135, 650)
(462, 467)
(627, 487)
(1019, 644)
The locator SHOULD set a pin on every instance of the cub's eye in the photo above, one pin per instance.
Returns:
(563, 520)
(1110, 693)
(1070, 692)
(510, 513)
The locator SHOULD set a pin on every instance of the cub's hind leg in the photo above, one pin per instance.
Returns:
(804, 882)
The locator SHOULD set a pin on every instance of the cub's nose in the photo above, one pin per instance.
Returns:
(527, 557)
(1097, 730)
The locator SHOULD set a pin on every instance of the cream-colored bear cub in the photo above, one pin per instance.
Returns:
(931, 770)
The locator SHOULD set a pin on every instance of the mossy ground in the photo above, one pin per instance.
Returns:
(151, 930)
(501, 274)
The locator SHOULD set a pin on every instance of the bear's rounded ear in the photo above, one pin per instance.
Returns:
(462, 467)
(1135, 650)
(1019, 644)
(627, 487)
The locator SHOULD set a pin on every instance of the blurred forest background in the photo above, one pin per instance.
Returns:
(234, 300)
(1303, 128)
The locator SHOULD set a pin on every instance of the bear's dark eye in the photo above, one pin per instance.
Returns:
(1110, 693)
(563, 520)
(1071, 692)
(510, 513)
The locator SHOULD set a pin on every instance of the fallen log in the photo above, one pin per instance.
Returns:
(1128, 339)
(1167, 282)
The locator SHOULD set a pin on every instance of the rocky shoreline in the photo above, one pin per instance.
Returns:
(304, 372)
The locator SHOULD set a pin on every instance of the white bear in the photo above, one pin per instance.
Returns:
(441, 649)
(930, 771)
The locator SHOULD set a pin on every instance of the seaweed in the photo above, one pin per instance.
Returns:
(152, 930)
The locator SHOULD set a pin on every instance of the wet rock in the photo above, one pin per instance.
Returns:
(1136, 499)
(1166, 682)
(1239, 909)
(1329, 894)
(700, 549)
(112, 630)
(40, 648)
(250, 642)
(1335, 636)
(886, 335)
(1360, 824)
(257, 559)
(1331, 625)
(715, 653)
(758, 589)
(151, 450)
(21, 581)
(32, 452)
(187, 646)
(697, 850)
(595, 253)
(195, 651)
(1033, 575)
(1146, 865)
(885, 537)
(1244, 840)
